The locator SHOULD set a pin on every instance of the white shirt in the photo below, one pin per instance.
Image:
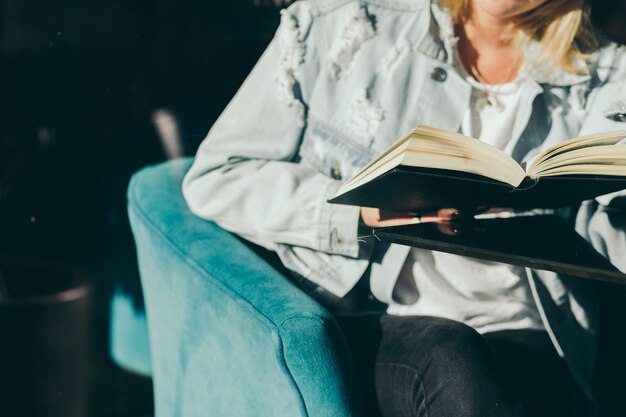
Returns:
(487, 296)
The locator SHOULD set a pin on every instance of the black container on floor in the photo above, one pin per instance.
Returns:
(44, 339)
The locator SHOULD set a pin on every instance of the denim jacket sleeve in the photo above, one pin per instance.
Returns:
(247, 177)
(603, 220)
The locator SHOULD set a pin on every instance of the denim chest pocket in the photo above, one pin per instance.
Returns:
(331, 152)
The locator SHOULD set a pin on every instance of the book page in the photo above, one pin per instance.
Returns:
(459, 140)
(599, 139)
(435, 148)
(600, 156)
(587, 169)
(605, 154)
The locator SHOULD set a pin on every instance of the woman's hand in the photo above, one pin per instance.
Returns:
(374, 217)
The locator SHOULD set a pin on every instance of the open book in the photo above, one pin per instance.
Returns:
(432, 168)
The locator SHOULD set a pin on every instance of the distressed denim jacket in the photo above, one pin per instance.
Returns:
(340, 82)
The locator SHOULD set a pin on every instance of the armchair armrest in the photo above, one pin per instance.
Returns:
(229, 335)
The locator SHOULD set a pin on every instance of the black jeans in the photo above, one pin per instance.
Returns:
(431, 366)
(418, 366)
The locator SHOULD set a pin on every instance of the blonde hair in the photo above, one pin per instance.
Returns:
(561, 28)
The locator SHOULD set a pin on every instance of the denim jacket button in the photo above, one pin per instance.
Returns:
(439, 74)
(335, 171)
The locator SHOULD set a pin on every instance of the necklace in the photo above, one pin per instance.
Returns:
(468, 65)
(488, 90)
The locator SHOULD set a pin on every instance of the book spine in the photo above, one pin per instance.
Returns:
(526, 184)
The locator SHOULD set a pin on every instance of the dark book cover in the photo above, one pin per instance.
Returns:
(540, 242)
(425, 189)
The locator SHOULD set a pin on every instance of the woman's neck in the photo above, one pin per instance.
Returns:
(486, 49)
(484, 29)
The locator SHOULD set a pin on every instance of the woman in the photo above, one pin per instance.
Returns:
(340, 82)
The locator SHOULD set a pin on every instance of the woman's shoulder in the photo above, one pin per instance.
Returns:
(328, 13)
(346, 24)
(608, 63)
(611, 63)
(323, 7)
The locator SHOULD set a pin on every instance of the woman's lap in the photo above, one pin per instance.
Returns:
(455, 373)
(430, 366)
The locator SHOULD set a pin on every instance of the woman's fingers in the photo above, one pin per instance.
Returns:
(374, 217)
(449, 228)
(442, 215)
(448, 214)
(398, 221)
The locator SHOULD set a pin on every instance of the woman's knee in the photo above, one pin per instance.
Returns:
(417, 339)
(435, 366)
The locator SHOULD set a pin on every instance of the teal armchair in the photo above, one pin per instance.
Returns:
(228, 334)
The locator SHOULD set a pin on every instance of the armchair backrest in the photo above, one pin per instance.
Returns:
(229, 335)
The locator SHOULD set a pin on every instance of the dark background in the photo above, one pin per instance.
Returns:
(79, 84)
(79, 81)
